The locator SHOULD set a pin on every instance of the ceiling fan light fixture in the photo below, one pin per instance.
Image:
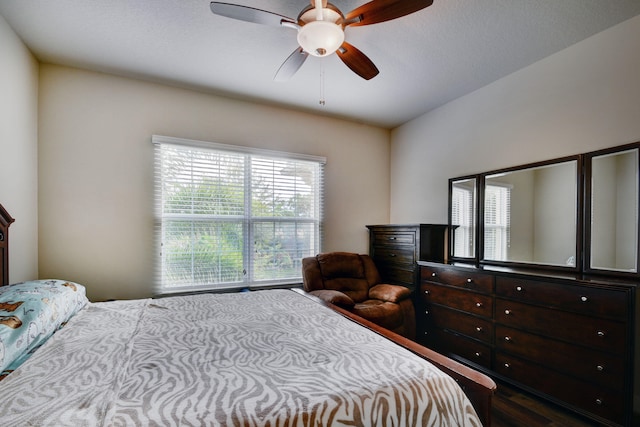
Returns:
(320, 26)
(320, 38)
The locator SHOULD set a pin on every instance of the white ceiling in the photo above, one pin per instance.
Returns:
(425, 59)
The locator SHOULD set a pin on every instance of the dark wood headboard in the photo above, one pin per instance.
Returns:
(5, 222)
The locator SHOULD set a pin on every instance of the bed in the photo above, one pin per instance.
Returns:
(265, 358)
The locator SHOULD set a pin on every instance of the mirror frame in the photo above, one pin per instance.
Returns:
(588, 175)
(476, 214)
(583, 217)
(578, 216)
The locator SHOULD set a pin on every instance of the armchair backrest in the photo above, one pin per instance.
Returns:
(350, 273)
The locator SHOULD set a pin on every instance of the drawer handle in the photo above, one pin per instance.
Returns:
(427, 292)
(469, 280)
(434, 274)
(478, 354)
(426, 312)
(600, 368)
(599, 402)
(478, 304)
(584, 299)
(601, 333)
(479, 329)
(507, 312)
(519, 288)
(507, 338)
(506, 365)
(393, 238)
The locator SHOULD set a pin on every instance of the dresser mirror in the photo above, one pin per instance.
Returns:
(612, 210)
(463, 212)
(530, 214)
(578, 213)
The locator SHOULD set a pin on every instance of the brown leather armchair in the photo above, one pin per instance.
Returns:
(352, 281)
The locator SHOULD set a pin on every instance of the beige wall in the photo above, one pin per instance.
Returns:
(583, 98)
(18, 152)
(96, 170)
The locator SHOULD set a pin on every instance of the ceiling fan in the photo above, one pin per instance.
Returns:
(321, 27)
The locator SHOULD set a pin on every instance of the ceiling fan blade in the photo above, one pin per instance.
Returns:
(357, 61)
(291, 65)
(249, 14)
(384, 10)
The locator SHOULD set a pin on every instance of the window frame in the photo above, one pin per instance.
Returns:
(249, 222)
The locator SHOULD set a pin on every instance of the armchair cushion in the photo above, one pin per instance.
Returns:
(386, 314)
(341, 264)
(390, 293)
(345, 272)
(334, 297)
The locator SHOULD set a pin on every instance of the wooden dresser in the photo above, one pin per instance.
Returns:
(395, 249)
(456, 307)
(567, 339)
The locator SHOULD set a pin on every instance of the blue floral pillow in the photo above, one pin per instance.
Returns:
(30, 312)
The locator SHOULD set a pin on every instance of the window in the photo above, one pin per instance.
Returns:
(497, 221)
(233, 217)
(463, 218)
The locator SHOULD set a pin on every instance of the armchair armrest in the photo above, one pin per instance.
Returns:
(390, 293)
(334, 297)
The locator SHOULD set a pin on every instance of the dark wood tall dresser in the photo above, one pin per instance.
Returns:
(396, 249)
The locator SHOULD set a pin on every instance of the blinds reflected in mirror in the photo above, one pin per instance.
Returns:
(463, 218)
(497, 221)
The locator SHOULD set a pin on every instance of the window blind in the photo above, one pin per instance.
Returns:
(497, 222)
(462, 215)
(234, 217)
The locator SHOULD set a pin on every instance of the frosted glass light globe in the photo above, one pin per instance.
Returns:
(320, 38)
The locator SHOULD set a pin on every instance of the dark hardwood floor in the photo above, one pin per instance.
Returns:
(513, 408)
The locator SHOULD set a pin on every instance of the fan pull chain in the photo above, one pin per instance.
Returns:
(322, 102)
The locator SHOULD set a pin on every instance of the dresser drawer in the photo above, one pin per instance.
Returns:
(396, 255)
(594, 366)
(604, 402)
(394, 238)
(465, 279)
(583, 299)
(602, 334)
(462, 323)
(393, 274)
(460, 299)
(453, 344)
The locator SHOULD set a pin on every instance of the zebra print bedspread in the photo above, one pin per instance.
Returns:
(267, 358)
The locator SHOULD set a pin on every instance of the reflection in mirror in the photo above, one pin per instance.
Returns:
(530, 215)
(614, 211)
(463, 218)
